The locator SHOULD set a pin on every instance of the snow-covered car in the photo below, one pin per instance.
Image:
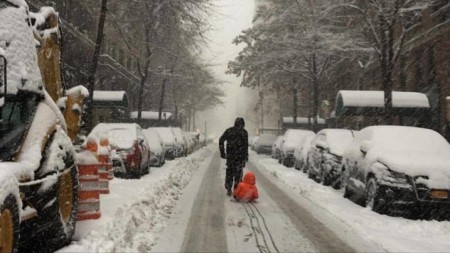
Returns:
(301, 153)
(129, 142)
(118, 166)
(38, 175)
(168, 138)
(157, 151)
(292, 138)
(325, 155)
(264, 143)
(181, 145)
(276, 148)
(252, 141)
(389, 167)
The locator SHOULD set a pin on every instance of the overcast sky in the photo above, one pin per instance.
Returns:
(232, 17)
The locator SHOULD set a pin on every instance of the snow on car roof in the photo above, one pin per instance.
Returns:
(166, 134)
(373, 98)
(150, 115)
(109, 95)
(120, 135)
(297, 134)
(18, 43)
(338, 139)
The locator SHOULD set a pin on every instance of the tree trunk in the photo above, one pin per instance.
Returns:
(295, 106)
(95, 59)
(315, 92)
(161, 99)
(141, 95)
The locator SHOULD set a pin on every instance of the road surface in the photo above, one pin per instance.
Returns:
(275, 223)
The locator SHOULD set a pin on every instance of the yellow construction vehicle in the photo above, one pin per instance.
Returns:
(38, 175)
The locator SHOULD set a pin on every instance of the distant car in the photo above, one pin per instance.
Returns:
(325, 155)
(264, 144)
(252, 141)
(157, 152)
(276, 148)
(301, 154)
(130, 143)
(292, 138)
(168, 138)
(389, 167)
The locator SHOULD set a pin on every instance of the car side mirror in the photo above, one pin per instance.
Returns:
(365, 146)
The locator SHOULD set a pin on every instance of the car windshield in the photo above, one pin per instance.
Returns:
(15, 115)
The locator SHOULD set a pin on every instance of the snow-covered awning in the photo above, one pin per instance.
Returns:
(151, 115)
(302, 120)
(109, 95)
(375, 100)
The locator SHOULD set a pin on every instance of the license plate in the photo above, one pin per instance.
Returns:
(439, 194)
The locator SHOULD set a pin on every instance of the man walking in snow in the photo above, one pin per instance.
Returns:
(236, 153)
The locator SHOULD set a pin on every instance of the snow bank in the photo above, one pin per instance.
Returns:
(136, 225)
(18, 43)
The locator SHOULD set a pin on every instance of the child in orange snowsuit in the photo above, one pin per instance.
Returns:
(246, 190)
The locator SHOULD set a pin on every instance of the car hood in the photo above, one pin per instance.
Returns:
(289, 146)
(435, 166)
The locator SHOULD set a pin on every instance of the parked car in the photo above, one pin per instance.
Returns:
(181, 146)
(276, 147)
(325, 155)
(168, 138)
(389, 167)
(157, 152)
(292, 138)
(264, 143)
(130, 143)
(301, 153)
(252, 141)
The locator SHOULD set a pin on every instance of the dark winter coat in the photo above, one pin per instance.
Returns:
(246, 190)
(236, 137)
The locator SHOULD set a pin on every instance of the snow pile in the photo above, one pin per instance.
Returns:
(136, 225)
(86, 158)
(78, 90)
(17, 41)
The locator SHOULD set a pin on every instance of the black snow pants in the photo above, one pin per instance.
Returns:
(234, 173)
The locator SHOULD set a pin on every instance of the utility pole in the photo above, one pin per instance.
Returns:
(95, 59)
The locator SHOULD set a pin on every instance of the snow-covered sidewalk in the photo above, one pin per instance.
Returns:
(392, 234)
(136, 211)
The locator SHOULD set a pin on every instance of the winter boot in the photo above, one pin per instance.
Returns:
(229, 192)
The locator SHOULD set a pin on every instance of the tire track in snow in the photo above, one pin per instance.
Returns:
(256, 218)
(316, 231)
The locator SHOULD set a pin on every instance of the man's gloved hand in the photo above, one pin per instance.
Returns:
(223, 155)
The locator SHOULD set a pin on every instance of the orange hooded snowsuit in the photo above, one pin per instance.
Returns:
(246, 190)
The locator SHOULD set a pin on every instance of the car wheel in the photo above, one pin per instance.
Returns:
(373, 200)
(57, 211)
(9, 225)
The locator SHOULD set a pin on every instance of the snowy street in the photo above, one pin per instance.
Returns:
(182, 207)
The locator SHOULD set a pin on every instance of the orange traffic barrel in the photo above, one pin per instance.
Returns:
(88, 191)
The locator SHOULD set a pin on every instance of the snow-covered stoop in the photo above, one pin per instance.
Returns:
(135, 226)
